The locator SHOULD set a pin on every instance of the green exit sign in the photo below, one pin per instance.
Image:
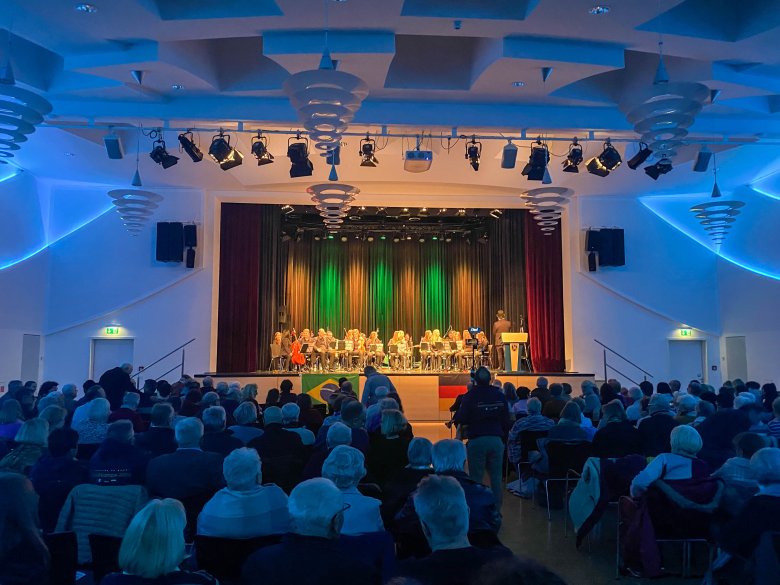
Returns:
(112, 330)
(686, 332)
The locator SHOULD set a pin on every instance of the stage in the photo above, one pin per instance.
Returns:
(426, 396)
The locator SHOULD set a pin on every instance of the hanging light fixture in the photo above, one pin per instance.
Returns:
(662, 167)
(260, 150)
(160, 154)
(607, 161)
(537, 161)
(509, 156)
(187, 144)
(641, 156)
(367, 150)
(474, 152)
(224, 153)
(574, 158)
(298, 153)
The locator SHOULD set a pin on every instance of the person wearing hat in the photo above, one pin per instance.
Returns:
(680, 463)
(655, 430)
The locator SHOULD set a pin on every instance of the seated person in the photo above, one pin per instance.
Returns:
(31, 440)
(634, 410)
(655, 430)
(246, 427)
(338, 434)
(310, 552)
(310, 417)
(738, 475)
(686, 409)
(160, 438)
(616, 436)
(92, 430)
(440, 504)
(281, 451)
(681, 463)
(345, 467)
(153, 548)
(387, 453)
(245, 508)
(554, 406)
(128, 410)
(118, 461)
(290, 413)
(534, 421)
(396, 491)
(216, 438)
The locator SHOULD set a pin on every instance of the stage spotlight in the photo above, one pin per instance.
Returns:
(702, 160)
(474, 152)
(343, 238)
(662, 167)
(461, 212)
(422, 239)
(260, 150)
(189, 146)
(287, 209)
(423, 212)
(418, 161)
(370, 238)
(435, 238)
(496, 213)
(537, 162)
(509, 156)
(367, 148)
(448, 238)
(223, 153)
(383, 237)
(442, 211)
(160, 155)
(607, 161)
(298, 153)
(396, 239)
(574, 158)
(640, 157)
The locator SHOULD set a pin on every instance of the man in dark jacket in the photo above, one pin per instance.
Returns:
(501, 326)
(311, 553)
(216, 438)
(159, 439)
(128, 410)
(117, 461)
(485, 412)
(281, 451)
(553, 407)
(655, 431)
(116, 382)
(402, 484)
(542, 390)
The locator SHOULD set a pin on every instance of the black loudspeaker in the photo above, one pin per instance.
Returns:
(592, 267)
(612, 250)
(282, 315)
(605, 247)
(592, 240)
(190, 236)
(190, 258)
(170, 241)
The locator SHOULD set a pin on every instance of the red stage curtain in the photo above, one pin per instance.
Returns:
(544, 297)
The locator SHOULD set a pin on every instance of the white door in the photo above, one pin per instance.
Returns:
(31, 357)
(736, 358)
(109, 353)
(686, 361)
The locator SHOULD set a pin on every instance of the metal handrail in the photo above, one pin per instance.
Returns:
(623, 358)
(614, 369)
(154, 363)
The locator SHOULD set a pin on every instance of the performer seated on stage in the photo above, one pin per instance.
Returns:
(276, 348)
(321, 348)
(375, 349)
(333, 353)
(483, 348)
(286, 348)
(425, 350)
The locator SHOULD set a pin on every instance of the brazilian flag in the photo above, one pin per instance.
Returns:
(314, 384)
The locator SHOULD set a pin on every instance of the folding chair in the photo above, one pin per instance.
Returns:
(564, 457)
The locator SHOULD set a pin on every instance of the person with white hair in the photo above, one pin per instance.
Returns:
(290, 414)
(245, 508)
(310, 552)
(374, 411)
(590, 395)
(93, 430)
(246, 427)
(118, 461)
(217, 438)
(686, 409)
(55, 416)
(655, 429)
(128, 411)
(160, 438)
(69, 392)
(31, 440)
(345, 467)
(681, 463)
(535, 421)
(441, 506)
(82, 409)
(634, 410)
(396, 491)
(338, 434)
(542, 390)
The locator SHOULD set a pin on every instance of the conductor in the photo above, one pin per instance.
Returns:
(502, 325)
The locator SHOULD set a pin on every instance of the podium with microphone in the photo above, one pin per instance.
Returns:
(516, 358)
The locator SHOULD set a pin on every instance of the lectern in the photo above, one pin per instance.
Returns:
(515, 351)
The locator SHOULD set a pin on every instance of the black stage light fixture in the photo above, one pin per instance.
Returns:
(223, 153)
(298, 153)
(461, 212)
(662, 167)
(187, 144)
(160, 155)
(574, 158)
(287, 209)
(260, 150)
(367, 149)
(474, 152)
(537, 162)
(607, 161)
(640, 157)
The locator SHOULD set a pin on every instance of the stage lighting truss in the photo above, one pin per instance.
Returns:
(537, 162)
(367, 150)
(717, 217)
(20, 112)
(260, 150)
(135, 207)
(573, 158)
(607, 161)
(473, 152)
(223, 153)
(161, 156)
(546, 206)
(187, 144)
(298, 153)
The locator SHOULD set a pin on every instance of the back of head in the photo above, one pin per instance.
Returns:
(743, 401)
(290, 413)
(272, 397)
(749, 443)
(121, 431)
(659, 403)
(214, 418)
(523, 392)
(588, 387)
(534, 406)
(765, 463)
(210, 399)
(55, 398)
(646, 388)
(286, 386)
(153, 544)
(338, 434)
(98, 410)
(245, 413)
(150, 386)
(316, 508)
(249, 392)
(189, 432)
(304, 401)
(393, 423)
(419, 452)
(131, 400)
(163, 388)
(272, 415)
(663, 388)
(511, 392)
(353, 414)
(675, 385)
(614, 411)
(345, 466)
(725, 397)
(441, 506)
(33, 432)
(686, 404)
(369, 370)
(482, 376)
(127, 368)
(685, 441)
(571, 413)
(448, 455)
(242, 469)
(208, 382)
(556, 389)
(62, 441)
(161, 415)
(635, 394)
(381, 392)
(346, 387)
(541, 382)
(222, 388)
(704, 408)
(11, 411)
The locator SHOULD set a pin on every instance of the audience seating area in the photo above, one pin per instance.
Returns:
(197, 482)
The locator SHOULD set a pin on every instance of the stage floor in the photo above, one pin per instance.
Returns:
(426, 396)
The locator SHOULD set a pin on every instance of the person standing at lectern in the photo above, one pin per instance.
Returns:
(502, 325)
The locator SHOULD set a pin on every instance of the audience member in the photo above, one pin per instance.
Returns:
(80, 413)
(246, 427)
(719, 429)
(553, 407)
(118, 461)
(128, 410)
(542, 392)
(290, 413)
(616, 436)
(10, 419)
(338, 434)
(116, 382)
(345, 467)
(373, 381)
(774, 424)
(634, 410)
(316, 509)
(160, 438)
(655, 430)
(31, 440)
(271, 399)
(216, 438)
(286, 395)
(387, 454)
(738, 476)
(592, 402)
(190, 405)
(310, 416)
(769, 395)
(148, 394)
(374, 412)
(703, 410)
(245, 508)
(686, 410)
(510, 393)
(353, 414)
(533, 422)
(153, 548)
(55, 416)
(281, 451)
(520, 407)
(24, 558)
(569, 427)
(93, 429)
(396, 491)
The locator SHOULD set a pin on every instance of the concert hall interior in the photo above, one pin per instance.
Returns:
(252, 192)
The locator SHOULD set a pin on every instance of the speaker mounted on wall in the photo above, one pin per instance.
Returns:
(170, 241)
(605, 247)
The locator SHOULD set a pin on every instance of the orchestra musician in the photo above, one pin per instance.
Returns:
(286, 349)
(320, 348)
(375, 349)
(425, 350)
